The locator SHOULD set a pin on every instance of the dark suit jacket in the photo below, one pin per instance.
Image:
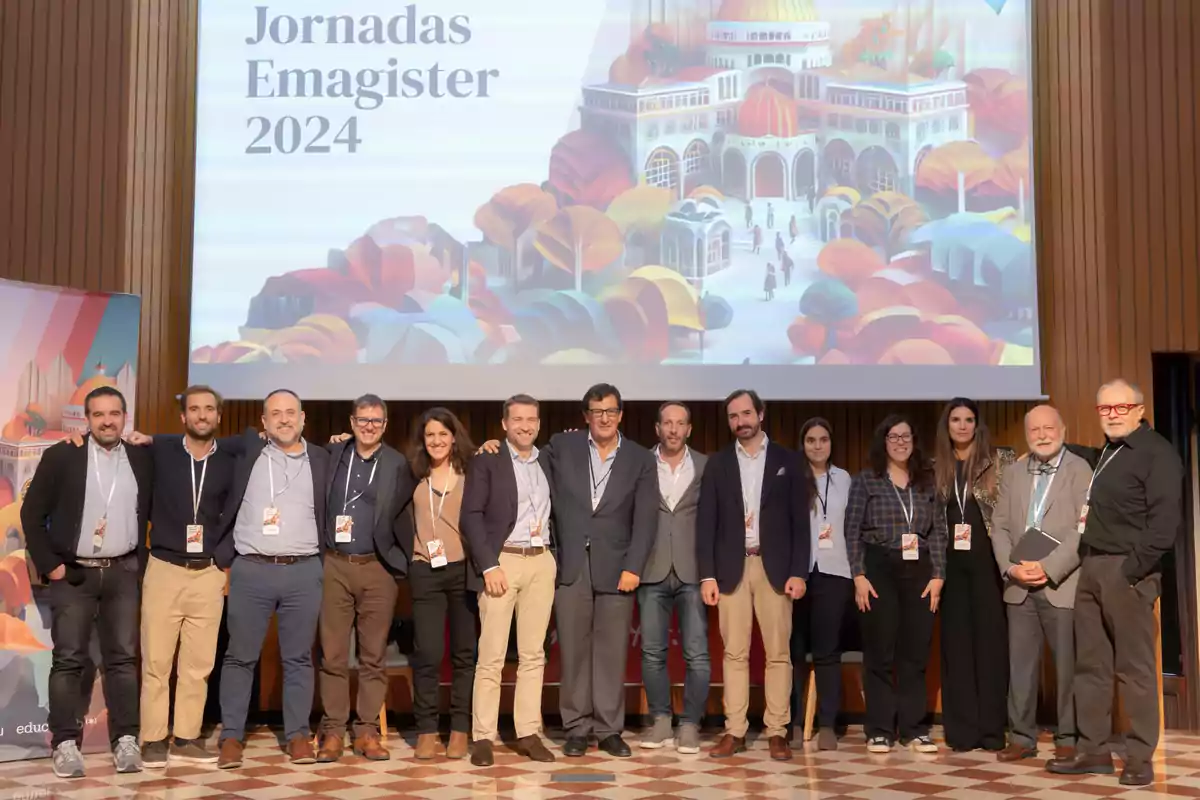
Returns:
(489, 509)
(52, 513)
(623, 527)
(394, 475)
(784, 527)
(249, 447)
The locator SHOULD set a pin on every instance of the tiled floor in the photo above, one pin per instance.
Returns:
(849, 772)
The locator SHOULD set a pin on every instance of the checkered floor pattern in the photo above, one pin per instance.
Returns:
(848, 772)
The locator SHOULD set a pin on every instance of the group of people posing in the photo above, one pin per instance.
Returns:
(1060, 546)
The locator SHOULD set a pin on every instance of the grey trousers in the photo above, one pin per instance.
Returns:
(1031, 624)
(593, 643)
(256, 591)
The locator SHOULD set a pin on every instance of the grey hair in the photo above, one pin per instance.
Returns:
(1057, 413)
(1138, 397)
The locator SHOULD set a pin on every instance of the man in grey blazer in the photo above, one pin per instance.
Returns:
(1045, 492)
(672, 582)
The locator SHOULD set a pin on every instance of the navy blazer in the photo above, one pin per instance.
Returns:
(390, 501)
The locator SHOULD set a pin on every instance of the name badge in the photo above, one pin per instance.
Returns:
(343, 526)
(962, 537)
(437, 553)
(270, 521)
(908, 547)
(195, 538)
(98, 533)
(1083, 515)
(825, 537)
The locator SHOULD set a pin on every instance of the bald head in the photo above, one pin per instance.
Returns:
(1044, 431)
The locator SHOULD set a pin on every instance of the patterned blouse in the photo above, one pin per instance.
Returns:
(875, 515)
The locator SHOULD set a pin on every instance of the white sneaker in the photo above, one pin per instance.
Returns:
(688, 740)
(923, 744)
(127, 756)
(68, 761)
(660, 733)
(879, 744)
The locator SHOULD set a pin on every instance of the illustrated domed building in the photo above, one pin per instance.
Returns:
(74, 418)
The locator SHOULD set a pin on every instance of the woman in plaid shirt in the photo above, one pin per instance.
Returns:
(897, 545)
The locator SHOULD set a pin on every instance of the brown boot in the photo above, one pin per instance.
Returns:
(428, 746)
(779, 748)
(300, 749)
(369, 747)
(231, 754)
(331, 749)
(728, 746)
(458, 745)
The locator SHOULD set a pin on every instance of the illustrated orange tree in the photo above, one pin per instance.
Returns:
(510, 218)
(886, 220)
(579, 239)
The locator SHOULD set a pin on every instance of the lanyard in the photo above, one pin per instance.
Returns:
(596, 484)
(1101, 463)
(116, 470)
(441, 505)
(1040, 508)
(824, 501)
(910, 509)
(197, 492)
(346, 498)
(271, 472)
(530, 468)
(961, 495)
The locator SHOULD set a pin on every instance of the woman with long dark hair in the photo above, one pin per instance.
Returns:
(438, 455)
(973, 636)
(817, 617)
(896, 541)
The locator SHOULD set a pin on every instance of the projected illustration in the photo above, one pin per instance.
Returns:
(767, 182)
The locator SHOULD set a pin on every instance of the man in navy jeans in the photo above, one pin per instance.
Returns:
(670, 581)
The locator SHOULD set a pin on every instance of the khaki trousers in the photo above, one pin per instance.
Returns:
(755, 599)
(180, 607)
(531, 594)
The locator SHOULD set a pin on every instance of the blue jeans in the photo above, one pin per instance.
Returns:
(655, 603)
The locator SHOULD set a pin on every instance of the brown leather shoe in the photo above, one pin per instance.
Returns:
(728, 746)
(533, 748)
(331, 749)
(300, 750)
(780, 749)
(481, 754)
(1016, 752)
(1085, 764)
(369, 747)
(1064, 752)
(458, 745)
(428, 746)
(231, 754)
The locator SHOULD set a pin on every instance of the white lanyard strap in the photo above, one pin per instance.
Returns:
(1040, 509)
(1101, 463)
(116, 471)
(962, 495)
(346, 498)
(287, 480)
(196, 492)
(533, 479)
(908, 510)
(441, 504)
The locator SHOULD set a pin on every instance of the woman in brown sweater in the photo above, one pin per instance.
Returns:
(438, 455)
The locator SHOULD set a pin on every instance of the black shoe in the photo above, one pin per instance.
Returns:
(615, 746)
(481, 754)
(1137, 773)
(154, 754)
(1082, 764)
(575, 746)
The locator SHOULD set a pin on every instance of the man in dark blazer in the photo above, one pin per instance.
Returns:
(671, 583)
(605, 518)
(84, 518)
(753, 543)
(276, 517)
(364, 502)
(505, 517)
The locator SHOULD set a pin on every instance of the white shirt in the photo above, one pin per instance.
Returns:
(672, 483)
(752, 468)
(835, 493)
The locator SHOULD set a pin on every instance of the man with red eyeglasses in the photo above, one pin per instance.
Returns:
(1132, 512)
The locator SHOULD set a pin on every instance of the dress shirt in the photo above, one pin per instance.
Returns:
(672, 483)
(109, 473)
(829, 506)
(600, 470)
(533, 499)
(172, 507)
(875, 515)
(357, 501)
(752, 468)
(298, 530)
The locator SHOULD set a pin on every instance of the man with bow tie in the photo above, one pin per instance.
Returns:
(753, 541)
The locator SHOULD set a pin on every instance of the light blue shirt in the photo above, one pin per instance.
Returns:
(533, 499)
(291, 474)
(600, 470)
(752, 468)
(834, 489)
(109, 473)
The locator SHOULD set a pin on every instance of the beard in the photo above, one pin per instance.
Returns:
(198, 436)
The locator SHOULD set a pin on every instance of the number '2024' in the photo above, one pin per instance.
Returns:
(288, 135)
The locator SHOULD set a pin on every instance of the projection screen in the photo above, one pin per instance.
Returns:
(822, 199)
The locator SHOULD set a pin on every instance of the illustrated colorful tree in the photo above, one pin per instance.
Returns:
(873, 43)
(849, 261)
(829, 302)
(579, 239)
(938, 173)
(35, 422)
(640, 212)
(716, 313)
(999, 102)
(886, 220)
(1011, 178)
(509, 219)
(588, 169)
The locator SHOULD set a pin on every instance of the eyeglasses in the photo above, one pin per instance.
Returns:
(369, 422)
(899, 438)
(1119, 410)
(604, 413)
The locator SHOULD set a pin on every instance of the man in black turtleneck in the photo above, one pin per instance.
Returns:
(1131, 515)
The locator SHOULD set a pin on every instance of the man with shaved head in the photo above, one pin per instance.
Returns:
(1041, 501)
(1131, 515)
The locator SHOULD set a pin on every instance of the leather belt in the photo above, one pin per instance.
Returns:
(353, 559)
(195, 564)
(753, 551)
(280, 560)
(522, 551)
(102, 563)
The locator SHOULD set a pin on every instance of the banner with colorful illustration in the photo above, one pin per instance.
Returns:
(56, 345)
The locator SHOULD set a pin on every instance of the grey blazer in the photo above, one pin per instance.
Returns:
(1060, 518)
(675, 542)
